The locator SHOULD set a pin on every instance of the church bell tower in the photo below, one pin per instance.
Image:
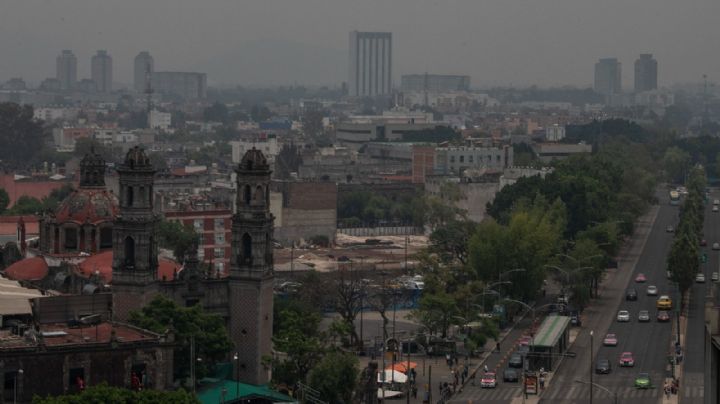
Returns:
(251, 269)
(135, 262)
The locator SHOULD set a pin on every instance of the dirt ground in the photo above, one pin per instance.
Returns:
(389, 252)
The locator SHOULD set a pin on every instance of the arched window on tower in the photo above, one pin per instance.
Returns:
(96, 177)
(129, 251)
(129, 194)
(246, 194)
(258, 197)
(246, 258)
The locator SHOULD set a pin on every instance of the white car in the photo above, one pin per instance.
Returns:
(700, 278)
(716, 246)
(715, 276)
(652, 290)
(623, 316)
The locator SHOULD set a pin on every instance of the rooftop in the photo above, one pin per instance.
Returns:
(62, 335)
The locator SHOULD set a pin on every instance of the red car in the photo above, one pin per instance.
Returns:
(703, 242)
(626, 359)
(610, 340)
(640, 278)
(663, 316)
(489, 380)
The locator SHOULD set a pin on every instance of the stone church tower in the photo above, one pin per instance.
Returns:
(250, 284)
(135, 253)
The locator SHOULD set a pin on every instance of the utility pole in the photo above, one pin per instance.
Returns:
(591, 366)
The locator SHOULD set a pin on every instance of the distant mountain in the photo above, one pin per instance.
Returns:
(276, 62)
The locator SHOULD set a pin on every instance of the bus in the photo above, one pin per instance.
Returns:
(674, 198)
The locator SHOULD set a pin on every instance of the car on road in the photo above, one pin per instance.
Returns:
(631, 294)
(640, 278)
(510, 375)
(603, 367)
(652, 290)
(715, 209)
(627, 360)
(610, 340)
(642, 381)
(643, 316)
(715, 276)
(515, 361)
(623, 316)
(663, 316)
(716, 202)
(670, 229)
(488, 381)
(664, 303)
(716, 246)
(703, 243)
(700, 278)
(575, 319)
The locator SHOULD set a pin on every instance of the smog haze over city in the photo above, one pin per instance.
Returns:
(280, 42)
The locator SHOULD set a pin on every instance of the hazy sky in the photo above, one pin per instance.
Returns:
(257, 42)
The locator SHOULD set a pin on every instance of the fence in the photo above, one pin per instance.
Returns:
(381, 231)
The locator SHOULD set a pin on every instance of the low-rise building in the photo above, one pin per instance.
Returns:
(303, 210)
(159, 120)
(547, 152)
(213, 224)
(455, 160)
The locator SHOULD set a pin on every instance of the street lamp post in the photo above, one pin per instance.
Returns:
(15, 387)
(591, 366)
(601, 387)
(236, 357)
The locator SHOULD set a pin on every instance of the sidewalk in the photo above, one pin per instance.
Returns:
(675, 398)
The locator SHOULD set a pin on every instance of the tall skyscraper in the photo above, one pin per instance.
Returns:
(144, 64)
(370, 65)
(102, 75)
(66, 69)
(645, 73)
(608, 77)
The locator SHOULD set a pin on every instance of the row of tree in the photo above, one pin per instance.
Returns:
(683, 259)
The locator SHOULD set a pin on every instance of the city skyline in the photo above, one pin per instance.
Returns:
(257, 43)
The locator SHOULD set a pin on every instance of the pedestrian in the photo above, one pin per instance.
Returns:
(542, 383)
(414, 391)
(448, 359)
(472, 378)
(497, 346)
(667, 390)
(485, 368)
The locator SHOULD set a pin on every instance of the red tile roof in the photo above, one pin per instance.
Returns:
(103, 264)
(28, 269)
(88, 205)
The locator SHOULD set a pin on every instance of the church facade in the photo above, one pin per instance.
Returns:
(244, 298)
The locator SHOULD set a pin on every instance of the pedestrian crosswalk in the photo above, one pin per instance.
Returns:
(502, 393)
(692, 392)
(582, 392)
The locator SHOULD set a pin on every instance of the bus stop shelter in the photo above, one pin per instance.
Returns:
(550, 343)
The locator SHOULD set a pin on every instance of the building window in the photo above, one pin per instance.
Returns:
(219, 253)
(76, 379)
(219, 238)
(452, 159)
(220, 224)
(220, 267)
(462, 159)
(71, 239)
(198, 224)
(201, 253)
(470, 158)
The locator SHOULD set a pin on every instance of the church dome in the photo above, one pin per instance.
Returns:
(88, 206)
(28, 269)
(253, 160)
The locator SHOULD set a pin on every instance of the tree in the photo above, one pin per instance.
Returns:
(21, 136)
(26, 205)
(336, 377)
(212, 342)
(676, 162)
(300, 341)
(450, 241)
(4, 200)
(102, 393)
(177, 237)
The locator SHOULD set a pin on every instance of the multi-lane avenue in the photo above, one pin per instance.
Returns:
(649, 342)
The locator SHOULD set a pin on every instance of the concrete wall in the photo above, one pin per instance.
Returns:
(306, 209)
